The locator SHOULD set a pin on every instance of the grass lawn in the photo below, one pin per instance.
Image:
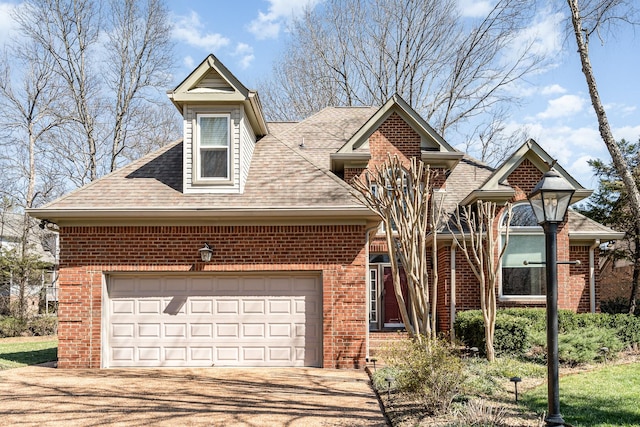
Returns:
(15, 353)
(609, 396)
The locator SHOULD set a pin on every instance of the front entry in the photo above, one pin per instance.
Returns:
(392, 316)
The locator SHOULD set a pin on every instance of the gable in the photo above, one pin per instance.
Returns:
(396, 128)
(517, 176)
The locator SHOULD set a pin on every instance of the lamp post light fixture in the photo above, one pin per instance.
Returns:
(550, 199)
(205, 252)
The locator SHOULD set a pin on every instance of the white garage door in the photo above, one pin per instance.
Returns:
(213, 321)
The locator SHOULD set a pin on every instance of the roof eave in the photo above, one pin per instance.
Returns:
(498, 196)
(71, 215)
(440, 159)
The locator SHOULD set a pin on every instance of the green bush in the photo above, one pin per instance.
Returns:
(627, 328)
(12, 327)
(43, 325)
(511, 334)
(431, 373)
(579, 346)
(469, 328)
(618, 305)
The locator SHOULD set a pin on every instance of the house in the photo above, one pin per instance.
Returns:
(298, 272)
(41, 244)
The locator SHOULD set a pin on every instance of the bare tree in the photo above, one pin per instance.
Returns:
(362, 52)
(113, 57)
(140, 61)
(68, 30)
(30, 115)
(401, 196)
(594, 18)
(479, 241)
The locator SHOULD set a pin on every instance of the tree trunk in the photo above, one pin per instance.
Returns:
(603, 123)
(633, 298)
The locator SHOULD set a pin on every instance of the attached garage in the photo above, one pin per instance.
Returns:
(203, 320)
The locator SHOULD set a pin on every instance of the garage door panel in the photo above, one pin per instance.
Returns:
(228, 307)
(147, 287)
(227, 330)
(123, 306)
(253, 330)
(253, 306)
(122, 330)
(149, 330)
(280, 306)
(201, 306)
(201, 330)
(213, 321)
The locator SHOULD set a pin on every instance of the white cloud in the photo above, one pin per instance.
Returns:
(268, 25)
(554, 89)
(190, 30)
(245, 52)
(189, 62)
(474, 8)
(566, 105)
(7, 24)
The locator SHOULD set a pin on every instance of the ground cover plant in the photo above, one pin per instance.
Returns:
(19, 352)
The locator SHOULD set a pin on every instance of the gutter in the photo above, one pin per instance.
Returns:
(592, 275)
(191, 213)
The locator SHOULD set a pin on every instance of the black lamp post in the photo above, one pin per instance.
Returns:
(550, 200)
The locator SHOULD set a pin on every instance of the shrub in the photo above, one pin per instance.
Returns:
(431, 373)
(43, 325)
(12, 327)
(511, 335)
(618, 305)
(627, 328)
(579, 346)
(479, 413)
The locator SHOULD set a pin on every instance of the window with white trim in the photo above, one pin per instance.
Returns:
(526, 243)
(373, 295)
(213, 146)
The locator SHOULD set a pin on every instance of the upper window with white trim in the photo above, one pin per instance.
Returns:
(526, 243)
(213, 146)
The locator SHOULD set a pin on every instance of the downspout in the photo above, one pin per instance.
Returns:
(592, 275)
(452, 300)
(367, 287)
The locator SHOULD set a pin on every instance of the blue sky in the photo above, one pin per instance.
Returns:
(246, 35)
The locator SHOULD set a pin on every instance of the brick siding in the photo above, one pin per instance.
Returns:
(336, 252)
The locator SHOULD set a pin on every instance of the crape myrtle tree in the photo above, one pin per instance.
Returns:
(477, 235)
(401, 193)
(610, 205)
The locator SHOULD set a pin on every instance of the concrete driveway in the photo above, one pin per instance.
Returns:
(187, 397)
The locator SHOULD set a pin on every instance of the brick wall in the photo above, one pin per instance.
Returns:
(337, 252)
(393, 136)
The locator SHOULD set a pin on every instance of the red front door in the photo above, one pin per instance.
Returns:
(392, 316)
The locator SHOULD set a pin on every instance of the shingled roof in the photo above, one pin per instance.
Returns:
(284, 178)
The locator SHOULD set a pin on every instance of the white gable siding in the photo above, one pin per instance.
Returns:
(237, 168)
(213, 80)
(247, 144)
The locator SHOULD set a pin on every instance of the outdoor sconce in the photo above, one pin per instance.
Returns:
(550, 200)
(205, 252)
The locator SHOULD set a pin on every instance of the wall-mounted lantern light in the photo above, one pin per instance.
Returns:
(205, 252)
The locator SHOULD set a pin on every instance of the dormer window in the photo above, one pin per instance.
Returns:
(213, 147)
